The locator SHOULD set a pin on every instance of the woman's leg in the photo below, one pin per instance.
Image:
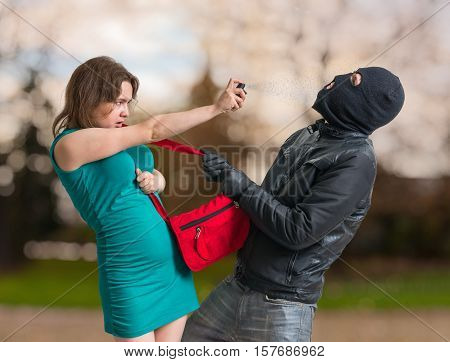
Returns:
(171, 332)
(148, 337)
(215, 320)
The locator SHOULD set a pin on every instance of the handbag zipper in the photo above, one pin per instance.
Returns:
(197, 234)
(207, 217)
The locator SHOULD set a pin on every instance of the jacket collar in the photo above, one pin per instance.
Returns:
(325, 128)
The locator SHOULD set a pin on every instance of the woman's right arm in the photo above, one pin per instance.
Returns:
(92, 144)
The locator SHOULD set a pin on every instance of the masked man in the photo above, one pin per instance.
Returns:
(304, 214)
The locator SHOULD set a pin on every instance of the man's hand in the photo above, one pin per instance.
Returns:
(150, 182)
(214, 165)
(233, 182)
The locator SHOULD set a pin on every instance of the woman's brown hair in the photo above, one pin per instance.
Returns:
(96, 81)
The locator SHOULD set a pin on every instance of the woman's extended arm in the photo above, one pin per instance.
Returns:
(168, 125)
(92, 144)
(171, 124)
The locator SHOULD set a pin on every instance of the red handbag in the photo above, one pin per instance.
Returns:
(209, 232)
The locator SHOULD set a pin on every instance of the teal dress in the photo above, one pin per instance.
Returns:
(143, 281)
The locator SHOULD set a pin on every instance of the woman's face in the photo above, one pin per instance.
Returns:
(114, 114)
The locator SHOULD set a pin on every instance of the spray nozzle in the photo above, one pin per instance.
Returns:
(242, 86)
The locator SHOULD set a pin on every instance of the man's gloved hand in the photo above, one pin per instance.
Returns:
(233, 182)
(214, 165)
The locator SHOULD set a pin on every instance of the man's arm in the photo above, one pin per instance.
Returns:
(334, 194)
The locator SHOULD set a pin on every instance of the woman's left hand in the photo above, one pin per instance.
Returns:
(232, 98)
(150, 182)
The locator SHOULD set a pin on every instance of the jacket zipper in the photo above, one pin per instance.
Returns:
(207, 217)
(291, 267)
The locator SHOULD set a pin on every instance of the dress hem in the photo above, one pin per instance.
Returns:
(152, 327)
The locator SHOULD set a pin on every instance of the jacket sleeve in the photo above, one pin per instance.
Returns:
(334, 195)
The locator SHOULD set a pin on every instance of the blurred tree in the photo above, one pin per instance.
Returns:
(28, 211)
(408, 217)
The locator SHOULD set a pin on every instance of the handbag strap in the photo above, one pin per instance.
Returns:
(176, 147)
(159, 207)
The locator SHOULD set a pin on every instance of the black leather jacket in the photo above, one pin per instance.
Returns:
(306, 211)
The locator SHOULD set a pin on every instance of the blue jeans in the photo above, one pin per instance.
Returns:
(236, 313)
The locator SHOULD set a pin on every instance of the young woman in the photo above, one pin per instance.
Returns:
(145, 287)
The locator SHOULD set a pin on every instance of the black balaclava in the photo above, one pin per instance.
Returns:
(365, 107)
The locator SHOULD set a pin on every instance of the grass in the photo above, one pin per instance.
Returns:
(413, 290)
(41, 282)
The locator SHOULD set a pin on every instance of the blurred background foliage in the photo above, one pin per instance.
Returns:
(285, 51)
